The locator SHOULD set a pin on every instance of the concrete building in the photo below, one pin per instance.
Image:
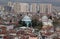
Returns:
(45, 8)
(3, 32)
(16, 7)
(10, 4)
(7, 8)
(1, 8)
(19, 7)
(33, 7)
(24, 7)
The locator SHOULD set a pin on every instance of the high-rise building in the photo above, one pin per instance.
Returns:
(10, 4)
(1, 8)
(49, 8)
(42, 8)
(45, 8)
(19, 7)
(24, 7)
(33, 7)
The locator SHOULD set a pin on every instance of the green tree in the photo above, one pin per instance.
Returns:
(36, 24)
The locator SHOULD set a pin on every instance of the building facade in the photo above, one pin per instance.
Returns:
(24, 7)
(19, 7)
(1, 8)
(45, 8)
(31, 7)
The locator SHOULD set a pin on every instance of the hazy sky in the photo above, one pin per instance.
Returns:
(54, 2)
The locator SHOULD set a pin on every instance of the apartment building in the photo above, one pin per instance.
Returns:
(1, 8)
(31, 7)
(19, 7)
(45, 8)
(24, 7)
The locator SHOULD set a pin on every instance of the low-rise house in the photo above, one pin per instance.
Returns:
(12, 34)
(3, 32)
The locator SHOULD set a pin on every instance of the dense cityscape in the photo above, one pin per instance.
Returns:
(29, 21)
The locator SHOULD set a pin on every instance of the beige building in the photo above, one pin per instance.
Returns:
(1, 8)
(15, 6)
(45, 8)
(49, 8)
(33, 37)
(33, 7)
(19, 7)
(24, 7)
(10, 4)
(42, 8)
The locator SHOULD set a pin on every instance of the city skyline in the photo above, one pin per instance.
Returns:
(54, 2)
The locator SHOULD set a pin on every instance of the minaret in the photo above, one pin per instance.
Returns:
(38, 8)
(9, 3)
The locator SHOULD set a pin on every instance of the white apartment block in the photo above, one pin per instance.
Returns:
(49, 8)
(19, 7)
(10, 4)
(45, 8)
(24, 7)
(32, 7)
(1, 8)
(42, 8)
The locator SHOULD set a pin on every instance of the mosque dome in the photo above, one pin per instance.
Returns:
(26, 18)
(44, 18)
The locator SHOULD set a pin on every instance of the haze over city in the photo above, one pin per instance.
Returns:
(54, 2)
(29, 19)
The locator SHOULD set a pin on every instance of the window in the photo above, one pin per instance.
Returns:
(11, 37)
(0, 30)
(1, 37)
